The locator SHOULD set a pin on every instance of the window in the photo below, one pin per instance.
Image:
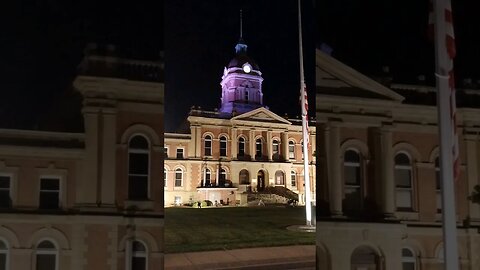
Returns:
(408, 259)
(49, 193)
(138, 168)
(275, 149)
(258, 148)
(403, 182)
(46, 256)
(3, 256)
(223, 146)
(165, 152)
(293, 177)
(177, 200)
(223, 177)
(207, 176)
(438, 186)
(139, 256)
(178, 177)
(352, 181)
(244, 177)
(5, 186)
(246, 94)
(241, 147)
(291, 150)
(208, 145)
(180, 153)
(279, 178)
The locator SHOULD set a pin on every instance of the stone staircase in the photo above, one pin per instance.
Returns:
(272, 195)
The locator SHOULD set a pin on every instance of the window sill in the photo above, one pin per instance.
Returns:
(404, 215)
(139, 205)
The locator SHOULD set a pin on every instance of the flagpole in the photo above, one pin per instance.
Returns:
(444, 66)
(306, 177)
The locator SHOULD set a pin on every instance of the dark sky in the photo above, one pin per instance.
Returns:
(370, 34)
(200, 40)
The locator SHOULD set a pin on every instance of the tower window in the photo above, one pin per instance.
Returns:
(246, 94)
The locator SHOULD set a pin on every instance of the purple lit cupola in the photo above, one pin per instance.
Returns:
(241, 82)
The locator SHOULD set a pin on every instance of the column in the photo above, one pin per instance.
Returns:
(198, 142)
(471, 146)
(87, 190)
(386, 172)
(108, 156)
(234, 143)
(335, 182)
(251, 144)
(269, 145)
(285, 145)
(193, 138)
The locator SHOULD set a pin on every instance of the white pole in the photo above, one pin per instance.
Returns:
(308, 206)
(443, 67)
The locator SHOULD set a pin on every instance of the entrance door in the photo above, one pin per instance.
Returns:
(260, 181)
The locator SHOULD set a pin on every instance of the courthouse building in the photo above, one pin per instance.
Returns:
(378, 187)
(239, 149)
(88, 194)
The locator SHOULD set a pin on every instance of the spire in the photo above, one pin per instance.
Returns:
(241, 47)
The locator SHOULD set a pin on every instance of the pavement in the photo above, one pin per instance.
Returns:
(263, 258)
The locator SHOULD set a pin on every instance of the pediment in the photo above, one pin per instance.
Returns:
(335, 76)
(261, 115)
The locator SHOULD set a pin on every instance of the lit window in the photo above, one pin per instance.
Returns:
(207, 176)
(208, 145)
(293, 177)
(352, 181)
(258, 148)
(138, 168)
(241, 147)
(3, 255)
(408, 259)
(291, 150)
(49, 193)
(223, 177)
(275, 150)
(139, 256)
(46, 256)
(180, 153)
(223, 146)
(438, 186)
(403, 182)
(244, 177)
(178, 177)
(279, 178)
(5, 197)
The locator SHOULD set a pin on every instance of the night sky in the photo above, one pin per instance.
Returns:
(370, 34)
(200, 37)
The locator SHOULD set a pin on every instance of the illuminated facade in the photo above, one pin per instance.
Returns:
(90, 199)
(378, 188)
(243, 148)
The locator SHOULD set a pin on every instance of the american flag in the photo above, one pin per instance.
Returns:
(448, 71)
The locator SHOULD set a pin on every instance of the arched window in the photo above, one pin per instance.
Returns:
(207, 177)
(223, 177)
(178, 177)
(409, 261)
(223, 146)
(208, 145)
(246, 94)
(279, 178)
(138, 168)
(293, 176)
(241, 147)
(139, 256)
(258, 149)
(291, 150)
(352, 181)
(365, 258)
(3, 256)
(438, 186)
(403, 182)
(275, 150)
(244, 177)
(46, 255)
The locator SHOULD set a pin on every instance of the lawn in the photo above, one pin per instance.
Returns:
(193, 229)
